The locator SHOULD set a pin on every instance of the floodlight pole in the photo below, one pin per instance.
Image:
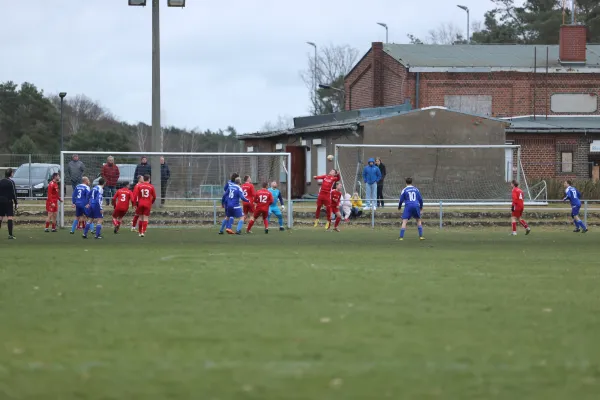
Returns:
(466, 9)
(156, 127)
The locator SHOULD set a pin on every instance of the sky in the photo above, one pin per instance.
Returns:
(233, 62)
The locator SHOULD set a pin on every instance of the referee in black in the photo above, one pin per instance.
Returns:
(8, 200)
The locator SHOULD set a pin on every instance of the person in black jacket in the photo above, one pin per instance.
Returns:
(165, 175)
(143, 168)
(381, 167)
(8, 200)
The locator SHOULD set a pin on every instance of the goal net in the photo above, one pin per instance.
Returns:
(453, 174)
(193, 180)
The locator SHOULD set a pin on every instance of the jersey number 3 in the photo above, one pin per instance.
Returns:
(124, 197)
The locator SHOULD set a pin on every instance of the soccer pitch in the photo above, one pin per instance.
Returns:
(302, 314)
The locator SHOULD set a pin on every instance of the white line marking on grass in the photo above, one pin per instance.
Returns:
(167, 258)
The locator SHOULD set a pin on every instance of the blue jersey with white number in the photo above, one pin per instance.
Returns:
(411, 197)
(96, 197)
(232, 197)
(573, 196)
(81, 195)
(276, 196)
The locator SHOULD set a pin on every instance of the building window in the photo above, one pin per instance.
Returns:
(574, 103)
(321, 160)
(566, 161)
(476, 104)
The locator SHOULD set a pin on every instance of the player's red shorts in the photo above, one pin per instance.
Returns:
(143, 209)
(323, 201)
(517, 213)
(51, 207)
(119, 213)
(334, 210)
(261, 213)
(248, 208)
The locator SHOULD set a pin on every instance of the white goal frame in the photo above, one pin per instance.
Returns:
(450, 202)
(154, 157)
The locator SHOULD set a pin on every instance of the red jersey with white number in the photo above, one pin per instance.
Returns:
(53, 192)
(144, 194)
(517, 199)
(249, 192)
(263, 200)
(121, 199)
(336, 195)
(327, 184)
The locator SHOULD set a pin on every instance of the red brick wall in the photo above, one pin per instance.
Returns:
(572, 43)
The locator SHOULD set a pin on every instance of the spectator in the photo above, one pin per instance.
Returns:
(110, 173)
(75, 170)
(165, 175)
(346, 207)
(357, 204)
(143, 168)
(381, 167)
(371, 175)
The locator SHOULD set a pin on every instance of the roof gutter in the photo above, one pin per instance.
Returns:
(557, 130)
(552, 70)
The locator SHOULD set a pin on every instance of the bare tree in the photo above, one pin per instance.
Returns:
(445, 33)
(282, 123)
(333, 63)
(142, 136)
(83, 110)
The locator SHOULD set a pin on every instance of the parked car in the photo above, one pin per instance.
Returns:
(126, 172)
(34, 180)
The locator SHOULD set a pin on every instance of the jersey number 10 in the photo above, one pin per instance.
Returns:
(412, 196)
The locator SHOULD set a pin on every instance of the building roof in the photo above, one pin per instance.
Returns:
(489, 58)
(554, 124)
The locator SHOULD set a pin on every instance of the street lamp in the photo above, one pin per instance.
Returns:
(465, 8)
(62, 96)
(176, 3)
(386, 30)
(329, 87)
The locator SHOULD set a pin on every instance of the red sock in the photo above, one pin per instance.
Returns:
(250, 224)
(514, 226)
(145, 226)
(135, 221)
(524, 224)
(266, 221)
(337, 221)
(47, 224)
(141, 227)
(318, 213)
(54, 226)
(115, 222)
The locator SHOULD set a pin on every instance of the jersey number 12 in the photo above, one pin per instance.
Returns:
(262, 198)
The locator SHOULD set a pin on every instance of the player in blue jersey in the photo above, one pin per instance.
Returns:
(231, 181)
(574, 197)
(80, 199)
(95, 210)
(233, 208)
(274, 209)
(413, 201)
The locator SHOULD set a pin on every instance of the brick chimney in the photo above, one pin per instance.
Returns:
(377, 48)
(572, 43)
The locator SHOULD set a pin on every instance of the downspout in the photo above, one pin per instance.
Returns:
(417, 84)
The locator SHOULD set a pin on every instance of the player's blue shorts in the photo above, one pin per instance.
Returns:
(411, 212)
(95, 212)
(575, 211)
(80, 211)
(275, 210)
(235, 212)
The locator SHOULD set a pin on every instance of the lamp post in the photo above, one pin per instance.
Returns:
(386, 30)
(62, 96)
(465, 8)
(156, 136)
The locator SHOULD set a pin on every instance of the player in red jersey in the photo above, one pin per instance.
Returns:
(52, 202)
(249, 193)
(334, 207)
(120, 202)
(134, 222)
(324, 198)
(518, 205)
(144, 196)
(263, 200)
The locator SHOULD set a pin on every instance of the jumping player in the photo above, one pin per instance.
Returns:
(95, 210)
(324, 198)
(136, 217)
(274, 209)
(233, 209)
(249, 193)
(80, 199)
(144, 196)
(518, 205)
(52, 202)
(120, 202)
(334, 208)
(574, 197)
(262, 200)
(413, 201)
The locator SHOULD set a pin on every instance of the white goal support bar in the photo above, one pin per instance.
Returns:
(287, 167)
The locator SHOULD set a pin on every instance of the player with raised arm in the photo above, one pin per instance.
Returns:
(144, 197)
(134, 221)
(518, 206)
(52, 202)
(120, 202)
(95, 210)
(262, 200)
(80, 199)
(249, 193)
(274, 209)
(574, 197)
(324, 198)
(233, 209)
(334, 208)
(413, 201)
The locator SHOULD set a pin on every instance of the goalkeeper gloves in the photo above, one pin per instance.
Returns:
(282, 208)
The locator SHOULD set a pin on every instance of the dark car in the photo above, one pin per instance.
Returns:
(126, 172)
(34, 180)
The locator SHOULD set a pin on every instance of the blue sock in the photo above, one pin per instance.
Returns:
(402, 230)
(74, 226)
(280, 218)
(223, 224)
(86, 229)
(576, 223)
(582, 225)
(230, 223)
(420, 231)
(240, 225)
(98, 229)
(92, 226)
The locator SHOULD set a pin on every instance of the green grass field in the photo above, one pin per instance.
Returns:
(303, 314)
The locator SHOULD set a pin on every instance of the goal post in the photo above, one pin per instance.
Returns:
(193, 176)
(455, 174)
